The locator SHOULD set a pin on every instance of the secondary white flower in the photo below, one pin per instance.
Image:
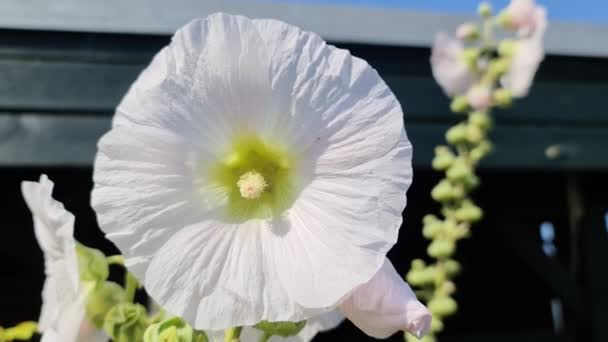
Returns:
(448, 65)
(528, 54)
(523, 16)
(385, 305)
(253, 172)
(313, 326)
(63, 297)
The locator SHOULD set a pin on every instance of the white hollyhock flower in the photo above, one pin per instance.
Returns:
(449, 66)
(63, 298)
(233, 103)
(385, 305)
(528, 54)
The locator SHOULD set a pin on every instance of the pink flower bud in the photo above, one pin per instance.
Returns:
(466, 31)
(480, 97)
(385, 305)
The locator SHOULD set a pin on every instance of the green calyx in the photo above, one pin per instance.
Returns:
(267, 166)
(283, 329)
(173, 329)
(101, 300)
(92, 264)
(126, 322)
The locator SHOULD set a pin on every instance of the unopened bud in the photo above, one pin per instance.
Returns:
(467, 32)
(480, 119)
(484, 10)
(283, 329)
(441, 248)
(126, 322)
(456, 134)
(92, 264)
(173, 330)
(443, 305)
(103, 297)
(503, 97)
(459, 104)
(480, 97)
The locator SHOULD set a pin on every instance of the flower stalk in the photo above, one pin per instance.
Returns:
(490, 65)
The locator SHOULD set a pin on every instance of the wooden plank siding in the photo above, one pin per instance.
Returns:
(74, 80)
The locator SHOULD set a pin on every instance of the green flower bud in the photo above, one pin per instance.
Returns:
(442, 306)
(459, 170)
(452, 267)
(283, 329)
(471, 182)
(484, 10)
(126, 322)
(497, 68)
(431, 230)
(436, 325)
(441, 248)
(101, 300)
(443, 191)
(443, 158)
(507, 47)
(92, 264)
(447, 288)
(469, 212)
(504, 20)
(481, 120)
(459, 104)
(467, 32)
(173, 330)
(415, 277)
(502, 97)
(481, 150)
(474, 134)
(470, 57)
(456, 134)
(418, 264)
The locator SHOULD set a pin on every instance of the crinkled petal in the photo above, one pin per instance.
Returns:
(385, 305)
(348, 217)
(54, 229)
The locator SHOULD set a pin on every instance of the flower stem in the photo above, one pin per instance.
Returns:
(232, 334)
(131, 285)
(116, 260)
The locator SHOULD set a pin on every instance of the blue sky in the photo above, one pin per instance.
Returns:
(590, 11)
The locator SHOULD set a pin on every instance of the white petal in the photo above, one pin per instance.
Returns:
(220, 267)
(385, 305)
(448, 66)
(54, 229)
(528, 55)
(313, 326)
(360, 159)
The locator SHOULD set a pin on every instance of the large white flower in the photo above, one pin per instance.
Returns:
(253, 172)
(529, 52)
(449, 66)
(62, 317)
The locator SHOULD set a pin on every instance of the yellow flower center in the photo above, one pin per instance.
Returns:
(258, 177)
(251, 185)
